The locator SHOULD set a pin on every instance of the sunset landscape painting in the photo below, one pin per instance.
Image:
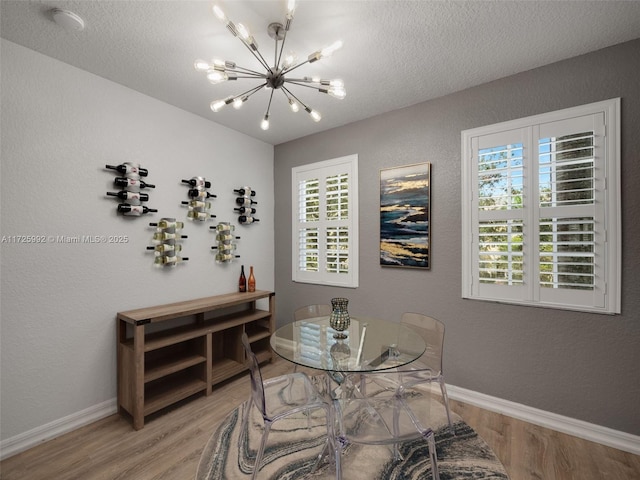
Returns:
(405, 216)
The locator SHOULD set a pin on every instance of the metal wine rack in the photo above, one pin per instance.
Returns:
(168, 242)
(226, 247)
(245, 205)
(198, 204)
(130, 184)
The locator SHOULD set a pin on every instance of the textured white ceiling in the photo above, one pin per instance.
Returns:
(396, 52)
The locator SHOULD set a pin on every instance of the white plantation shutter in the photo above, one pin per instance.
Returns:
(541, 222)
(325, 222)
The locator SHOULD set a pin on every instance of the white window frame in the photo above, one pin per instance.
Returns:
(606, 294)
(321, 171)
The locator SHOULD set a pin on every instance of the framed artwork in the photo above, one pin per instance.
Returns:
(405, 216)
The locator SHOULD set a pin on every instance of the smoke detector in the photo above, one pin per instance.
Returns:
(67, 20)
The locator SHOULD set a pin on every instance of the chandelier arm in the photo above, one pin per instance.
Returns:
(256, 54)
(302, 84)
(269, 105)
(304, 80)
(238, 69)
(296, 98)
(253, 77)
(264, 62)
(295, 66)
(251, 91)
(279, 56)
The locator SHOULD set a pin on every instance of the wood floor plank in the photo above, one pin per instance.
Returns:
(170, 444)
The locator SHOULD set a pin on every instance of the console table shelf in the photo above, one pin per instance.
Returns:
(190, 347)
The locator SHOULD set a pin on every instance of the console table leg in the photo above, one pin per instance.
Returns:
(138, 369)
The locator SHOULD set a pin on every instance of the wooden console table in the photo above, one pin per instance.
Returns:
(167, 353)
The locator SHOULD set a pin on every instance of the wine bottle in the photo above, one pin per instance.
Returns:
(246, 220)
(245, 202)
(222, 237)
(164, 260)
(223, 227)
(242, 282)
(201, 194)
(168, 224)
(252, 280)
(165, 248)
(124, 195)
(245, 192)
(225, 257)
(225, 247)
(198, 182)
(202, 216)
(245, 210)
(130, 182)
(198, 204)
(124, 169)
(135, 210)
(161, 236)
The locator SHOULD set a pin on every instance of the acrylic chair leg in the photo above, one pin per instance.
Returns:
(396, 431)
(433, 457)
(263, 443)
(338, 458)
(329, 448)
(246, 412)
(445, 399)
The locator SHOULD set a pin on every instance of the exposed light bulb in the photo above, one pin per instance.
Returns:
(293, 105)
(219, 13)
(328, 51)
(315, 115)
(238, 101)
(223, 63)
(290, 59)
(336, 83)
(217, 105)
(337, 92)
(216, 76)
(201, 65)
(291, 7)
(264, 125)
(242, 30)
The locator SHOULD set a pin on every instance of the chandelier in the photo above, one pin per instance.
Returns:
(275, 77)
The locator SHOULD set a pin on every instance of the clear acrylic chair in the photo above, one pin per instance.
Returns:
(388, 414)
(311, 311)
(428, 368)
(279, 397)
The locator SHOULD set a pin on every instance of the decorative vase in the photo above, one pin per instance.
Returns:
(339, 319)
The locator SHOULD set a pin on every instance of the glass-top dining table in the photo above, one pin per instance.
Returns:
(371, 344)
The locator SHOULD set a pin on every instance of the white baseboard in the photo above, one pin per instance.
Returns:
(33, 437)
(578, 428)
(571, 426)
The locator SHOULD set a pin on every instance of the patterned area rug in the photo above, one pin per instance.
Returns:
(292, 451)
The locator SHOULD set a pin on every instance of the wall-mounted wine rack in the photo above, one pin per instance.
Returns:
(245, 205)
(167, 242)
(199, 195)
(130, 185)
(226, 247)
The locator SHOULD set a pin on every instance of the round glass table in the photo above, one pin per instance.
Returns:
(371, 345)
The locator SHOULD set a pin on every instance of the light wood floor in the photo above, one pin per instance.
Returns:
(169, 446)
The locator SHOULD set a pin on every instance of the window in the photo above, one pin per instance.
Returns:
(540, 210)
(325, 222)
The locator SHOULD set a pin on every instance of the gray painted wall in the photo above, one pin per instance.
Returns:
(584, 366)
